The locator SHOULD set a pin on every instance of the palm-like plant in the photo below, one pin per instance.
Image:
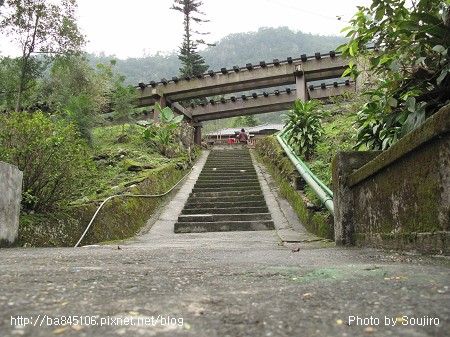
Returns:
(303, 128)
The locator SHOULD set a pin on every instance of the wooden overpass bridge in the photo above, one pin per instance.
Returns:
(298, 75)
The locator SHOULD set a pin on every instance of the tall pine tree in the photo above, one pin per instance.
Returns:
(193, 62)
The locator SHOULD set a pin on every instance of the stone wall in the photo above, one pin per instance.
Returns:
(121, 218)
(10, 192)
(284, 173)
(399, 198)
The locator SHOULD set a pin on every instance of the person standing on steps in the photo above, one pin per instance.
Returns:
(243, 137)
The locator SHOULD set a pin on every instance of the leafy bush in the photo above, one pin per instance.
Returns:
(303, 128)
(54, 159)
(411, 62)
(163, 132)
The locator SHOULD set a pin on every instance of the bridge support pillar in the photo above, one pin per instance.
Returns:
(302, 90)
(197, 133)
(162, 102)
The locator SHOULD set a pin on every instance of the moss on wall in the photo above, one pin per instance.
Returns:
(120, 218)
(283, 171)
(400, 198)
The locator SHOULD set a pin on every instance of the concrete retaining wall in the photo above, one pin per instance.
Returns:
(399, 198)
(284, 173)
(10, 192)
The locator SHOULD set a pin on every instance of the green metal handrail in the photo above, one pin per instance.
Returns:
(324, 194)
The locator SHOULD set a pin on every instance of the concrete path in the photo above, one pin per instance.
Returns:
(222, 284)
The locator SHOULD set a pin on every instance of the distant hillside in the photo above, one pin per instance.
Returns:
(235, 49)
(265, 45)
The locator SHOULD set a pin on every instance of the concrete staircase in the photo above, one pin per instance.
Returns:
(226, 197)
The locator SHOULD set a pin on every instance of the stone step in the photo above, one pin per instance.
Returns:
(219, 177)
(225, 204)
(220, 194)
(230, 162)
(231, 198)
(223, 217)
(220, 184)
(229, 170)
(241, 179)
(222, 189)
(228, 210)
(226, 197)
(223, 226)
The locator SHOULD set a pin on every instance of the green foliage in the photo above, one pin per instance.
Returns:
(79, 111)
(167, 117)
(10, 77)
(123, 97)
(39, 26)
(411, 62)
(54, 159)
(163, 132)
(303, 128)
(241, 121)
(71, 77)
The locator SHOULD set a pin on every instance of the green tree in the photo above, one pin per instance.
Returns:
(241, 121)
(10, 77)
(39, 26)
(193, 62)
(123, 98)
(77, 91)
(53, 158)
(411, 61)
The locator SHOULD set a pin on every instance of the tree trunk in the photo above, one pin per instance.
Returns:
(22, 82)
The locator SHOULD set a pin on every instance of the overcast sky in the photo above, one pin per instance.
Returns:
(133, 28)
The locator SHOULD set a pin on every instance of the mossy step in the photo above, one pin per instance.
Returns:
(223, 226)
(224, 217)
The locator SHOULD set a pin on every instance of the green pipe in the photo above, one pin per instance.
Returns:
(311, 179)
(306, 168)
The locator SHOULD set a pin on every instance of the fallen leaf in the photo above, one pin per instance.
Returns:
(58, 331)
(395, 278)
(133, 313)
(369, 329)
(339, 322)
(400, 320)
(308, 294)
(64, 304)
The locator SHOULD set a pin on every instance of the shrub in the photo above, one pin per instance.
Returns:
(54, 159)
(411, 61)
(303, 128)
